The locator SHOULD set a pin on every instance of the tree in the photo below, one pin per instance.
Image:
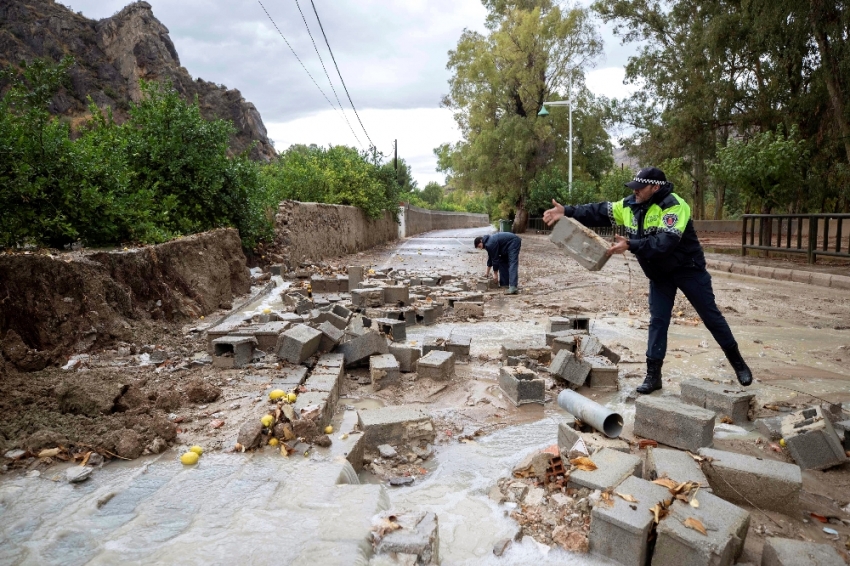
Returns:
(534, 52)
(432, 193)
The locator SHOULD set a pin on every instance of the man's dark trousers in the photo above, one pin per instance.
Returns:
(695, 283)
(509, 265)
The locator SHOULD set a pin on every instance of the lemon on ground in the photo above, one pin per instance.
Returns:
(267, 420)
(273, 441)
(782, 442)
(277, 394)
(197, 450)
(291, 397)
(329, 429)
(267, 311)
(189, 458)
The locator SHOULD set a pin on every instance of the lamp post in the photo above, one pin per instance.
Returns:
(544, 112)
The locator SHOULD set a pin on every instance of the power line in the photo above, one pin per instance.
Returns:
(326, 73)
(321, 27)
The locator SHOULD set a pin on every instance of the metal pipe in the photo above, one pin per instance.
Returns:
(591, 412)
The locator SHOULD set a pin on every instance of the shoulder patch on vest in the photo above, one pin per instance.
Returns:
(669, 220)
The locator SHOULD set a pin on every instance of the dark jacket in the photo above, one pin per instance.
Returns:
(497, 246)
(661, 232)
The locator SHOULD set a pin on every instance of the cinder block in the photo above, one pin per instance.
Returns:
(326, 380)
(568, 436)
(355, 276)
(233, 351)
(318, 284)
(581, 323)
(395, 329)
(567, 335)
(365, 298)
(612, 356)
(433, 343)
(395, 426)
(437, 365)
(522, 385)
(331, 318)
(291, 317)
(459, 346)
(603, 374)
(725, 524)
(767, 484)
(426, 316)
(398, 295)
(220, 331)
(567, 343)
(384, 370)
(811, 440)
(729, 400)
(790, 552)
(558, 324)
(288, 378)
(843, 428)
(267, 334)
(465, 309)
(406, 356)
(621, 532)
(612, 468)
(542, 355)
(580, 243)
(331, 336)
(429, 281)
(359, 348)
(588, 345)
(673, 464)
(514, 348)
(298, 343)
(568, 367)
(418, 538)
(771, 427)
(671, 422)
(306, 401)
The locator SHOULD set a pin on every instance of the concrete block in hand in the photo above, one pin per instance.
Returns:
(359, 348)
(811, 440)
(612, 469)
(674, 464)
(406, 356)
(298, 343)
(580, 243)
(568, 367)
(671, 422)
(729, 400)
(768, 484)
(233, 351)
(620, 532)
(384, 371)
(790, 552)
(522, 385)
(437, 365)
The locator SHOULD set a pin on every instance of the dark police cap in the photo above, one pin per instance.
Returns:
(647, 176)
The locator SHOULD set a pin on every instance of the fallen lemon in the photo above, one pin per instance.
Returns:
(291, 397)
(329, 429)
(277, 394)
(267, 420)
(197, 450)
(189, 458)
(273, 441)
(267, 311)
(782, 442)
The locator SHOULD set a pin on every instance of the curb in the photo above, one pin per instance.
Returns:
(795, 275)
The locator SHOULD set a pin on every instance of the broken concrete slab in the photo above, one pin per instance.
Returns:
(729, 400)
(570, 368)
(359, 349)
(671, 422)
(594, 441)
(621, 532)
(811, 440)
(384, 371)
(522, 385)
(580, 243)
(612, 468)
(396, 425)
(726, 526)
(406, 355)
(673, 464)
(418, 537)
(603, 374)
(790, 552)
(233, 351)
(437, 365)
(298, 343)
(768, 484)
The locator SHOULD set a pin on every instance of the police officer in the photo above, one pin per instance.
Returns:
(661, 235)
(503, 256)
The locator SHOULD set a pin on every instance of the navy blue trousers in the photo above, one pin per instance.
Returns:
(509, 265)
(696, 285)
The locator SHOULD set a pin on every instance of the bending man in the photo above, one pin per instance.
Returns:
(661, 235)
(503, 256)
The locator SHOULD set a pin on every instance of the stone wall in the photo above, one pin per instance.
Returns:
(418, 220)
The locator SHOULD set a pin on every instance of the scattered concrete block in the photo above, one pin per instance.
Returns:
(581, 323)
(418, 538)
(289, 378)
(326, 380)
(267, 334)
(671, 422)
(770, 427)
(372, 297)
(572, 334)
(522, 385)
(621, 532)
(384, 370)
(603, 374)
(396, 425)
(790, 552)
(514, 348)
(580, 243)
(811, 440)
(542, 355)
(568, 367)
(392, 327)
(767, 484)
(398, 295)
(355, 276)
(426, 316)
(567, 343)
(725, 524)
(612, 468)
(331, 318)
(437, 365)
(341, 312)
(433, 343)
(220, 331)
(558, 323)
(331, 336)
(729, 400)
(409, 316)
(459, 346)
(612, 356)
(291, 317)
(588, 345)
(298, 343)
(568, 436)
(406, 356)
(319, 284)
(233, 351)
(843, 429)
(673, 464)
(359, 349)
(521, 361)
(315, 403)
(429, 281)
(465, 309)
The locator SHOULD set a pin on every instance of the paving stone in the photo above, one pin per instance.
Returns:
(384, 371)
(359, 349)
(298, 343)
(395, 425)
(595, 441)
(768, 484)
(418, 537)
(570, 368)
(671, 422)
(612, 468)
(233, 351)
(811, 440)
(726, 525)
(621, 532)
(394, 328)
(522, 385)
(459, 346)
(603, 374)
(580, 243)
(558, 323)
(465, 309)
(770, 427)
(790, 552)
(406, 356)
(369, 297)
(726, 400)
(437, 365)
(673, 464)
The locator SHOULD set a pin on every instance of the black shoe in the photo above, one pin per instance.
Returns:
(653, 377)
(742, 371)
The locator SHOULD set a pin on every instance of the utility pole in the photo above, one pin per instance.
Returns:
(571, 139)
(395, 156)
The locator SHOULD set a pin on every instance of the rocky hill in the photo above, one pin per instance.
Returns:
(111, 56)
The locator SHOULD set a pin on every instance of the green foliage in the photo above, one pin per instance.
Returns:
(612, 188)
(432, 193)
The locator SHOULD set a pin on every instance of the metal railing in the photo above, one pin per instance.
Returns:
(808, 234)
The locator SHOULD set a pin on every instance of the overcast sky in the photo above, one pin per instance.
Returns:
(392, 56)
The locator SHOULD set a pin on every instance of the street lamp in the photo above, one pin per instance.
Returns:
(544, 112)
